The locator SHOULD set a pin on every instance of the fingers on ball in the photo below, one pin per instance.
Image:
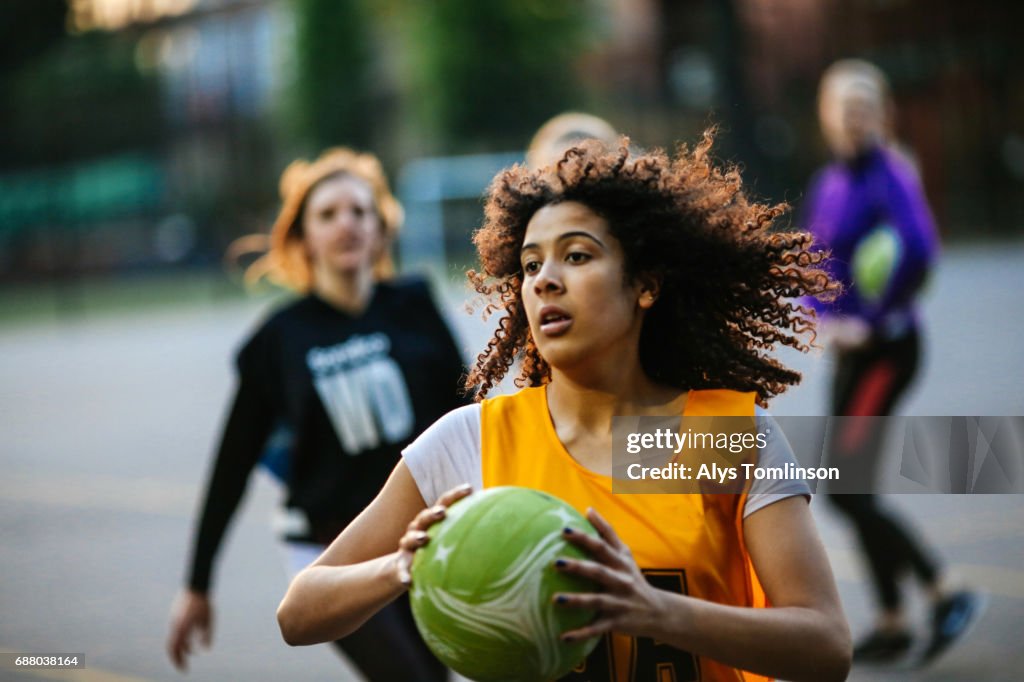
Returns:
(604, 528)
(608, 577)
(455, 494)
(413, 540)
(427, 518)
(596, 547)
(595, 629)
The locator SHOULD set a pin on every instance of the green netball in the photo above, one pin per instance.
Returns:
(874, 261)
(482, 588)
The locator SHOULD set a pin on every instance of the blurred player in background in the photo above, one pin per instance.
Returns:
(630, 285)
(566, 130)
(353, 370)
(869, 209)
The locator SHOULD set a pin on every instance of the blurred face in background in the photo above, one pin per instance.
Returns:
(852, 114)
(565, 131)
(341, 229)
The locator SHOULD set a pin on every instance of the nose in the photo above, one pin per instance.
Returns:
(345, 223)
(549, 279)
(347, 219)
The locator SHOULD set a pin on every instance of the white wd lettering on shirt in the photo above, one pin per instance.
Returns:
(363, 391)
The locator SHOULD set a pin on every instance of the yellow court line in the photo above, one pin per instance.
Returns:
(965, 528)
(996, 580)
(101, 493)
(104, 492)
(81, 675)
(1001, 581)
(87, 674)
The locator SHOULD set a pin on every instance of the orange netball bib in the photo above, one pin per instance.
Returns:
(689, 544)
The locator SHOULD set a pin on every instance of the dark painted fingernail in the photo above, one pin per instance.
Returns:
(568, 531)
(561, 599)
(559, 563)
(568, 638)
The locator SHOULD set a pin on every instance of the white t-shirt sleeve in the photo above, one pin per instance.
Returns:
(776, 453)
(447, 454)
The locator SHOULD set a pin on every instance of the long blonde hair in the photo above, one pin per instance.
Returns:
(285, 261)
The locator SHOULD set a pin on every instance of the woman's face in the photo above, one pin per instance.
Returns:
(852, 116)
(578, 303)
(342, 231)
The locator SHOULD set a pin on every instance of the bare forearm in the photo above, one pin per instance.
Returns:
(791, 643)
(325, 603)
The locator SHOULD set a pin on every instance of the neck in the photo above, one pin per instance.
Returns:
(860, 156)
(590, 404)
(582, 412)
(347, 291)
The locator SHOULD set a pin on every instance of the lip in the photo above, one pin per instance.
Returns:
(348, 245)
(556, 327)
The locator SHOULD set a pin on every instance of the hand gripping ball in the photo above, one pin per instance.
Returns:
(482, 588)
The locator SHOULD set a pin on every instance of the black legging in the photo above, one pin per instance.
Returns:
(868, 382)
(388, 647)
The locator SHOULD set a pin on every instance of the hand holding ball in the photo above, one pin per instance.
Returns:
(482, 588)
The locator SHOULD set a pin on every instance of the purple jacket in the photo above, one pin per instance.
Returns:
(845, 202)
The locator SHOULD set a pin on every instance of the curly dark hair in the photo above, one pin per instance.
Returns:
(726, 278)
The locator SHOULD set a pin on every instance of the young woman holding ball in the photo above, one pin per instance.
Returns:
(630, 285)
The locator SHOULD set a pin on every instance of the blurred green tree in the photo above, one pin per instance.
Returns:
(334, 102)
(28, 28)
(83, 97)
(488, 73)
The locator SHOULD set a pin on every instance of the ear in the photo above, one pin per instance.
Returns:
(648, 290)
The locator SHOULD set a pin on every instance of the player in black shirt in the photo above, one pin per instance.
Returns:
(354, 369)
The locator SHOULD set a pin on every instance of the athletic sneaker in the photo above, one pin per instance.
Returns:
(952, 617)
(882, 646)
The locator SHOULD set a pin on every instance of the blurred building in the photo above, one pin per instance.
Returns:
(221, 68)
(160, 164)
(753, 65)
(154, 131)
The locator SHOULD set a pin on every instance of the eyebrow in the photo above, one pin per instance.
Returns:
(568, 235)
